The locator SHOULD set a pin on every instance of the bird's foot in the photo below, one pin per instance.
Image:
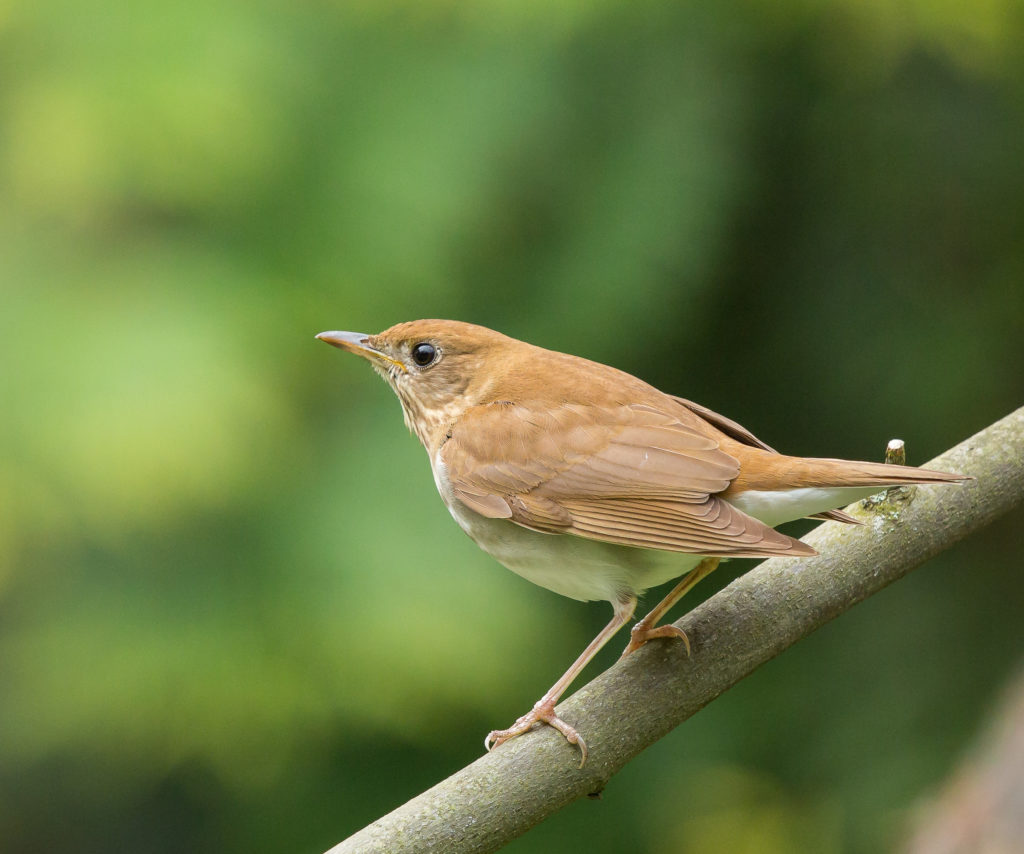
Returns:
(542, 712)
(640, 634)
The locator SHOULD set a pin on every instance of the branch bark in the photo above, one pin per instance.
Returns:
(633, 704)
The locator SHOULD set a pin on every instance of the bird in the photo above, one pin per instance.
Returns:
(590, 482)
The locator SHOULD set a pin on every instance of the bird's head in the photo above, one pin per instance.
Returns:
(438, 368)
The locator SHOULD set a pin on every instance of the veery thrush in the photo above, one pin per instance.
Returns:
(592, 483)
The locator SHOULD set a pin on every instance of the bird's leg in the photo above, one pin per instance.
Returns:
(544, 708)
(648, 628)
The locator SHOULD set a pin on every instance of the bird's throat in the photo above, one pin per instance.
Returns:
(428, 420)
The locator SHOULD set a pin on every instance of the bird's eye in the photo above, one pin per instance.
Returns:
(424, 353)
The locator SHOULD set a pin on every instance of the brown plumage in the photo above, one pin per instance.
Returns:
(591, 482)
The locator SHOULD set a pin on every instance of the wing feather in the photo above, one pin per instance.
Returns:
(714, 527)
(633, 474)
(737, 431)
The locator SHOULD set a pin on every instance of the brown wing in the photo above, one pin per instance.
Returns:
(737, 431)
(713, 527)
(732, 429)
(631, 474)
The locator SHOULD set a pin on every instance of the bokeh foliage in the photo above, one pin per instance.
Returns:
(233, 613)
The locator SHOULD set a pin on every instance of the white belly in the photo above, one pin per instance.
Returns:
(571, 566)
(590, 569)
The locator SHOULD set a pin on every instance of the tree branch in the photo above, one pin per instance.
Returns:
(633, 704)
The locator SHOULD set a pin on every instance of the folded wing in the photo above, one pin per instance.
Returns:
(635, 475)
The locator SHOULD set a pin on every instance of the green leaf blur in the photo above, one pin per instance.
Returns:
(234, 615)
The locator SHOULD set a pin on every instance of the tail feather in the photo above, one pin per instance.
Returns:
(762, 470)
(836, 516)
(828, 472)
(792, 487)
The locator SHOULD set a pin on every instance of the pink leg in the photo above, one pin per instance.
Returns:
(648, 628)
(544, 709)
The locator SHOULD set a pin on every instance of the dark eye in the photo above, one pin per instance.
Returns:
(424, 353)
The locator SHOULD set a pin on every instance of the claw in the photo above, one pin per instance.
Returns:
(543, 712)
(640, 634)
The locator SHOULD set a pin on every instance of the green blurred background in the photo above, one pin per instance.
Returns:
(234, 615)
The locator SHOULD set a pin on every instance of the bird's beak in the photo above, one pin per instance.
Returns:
(358, 343)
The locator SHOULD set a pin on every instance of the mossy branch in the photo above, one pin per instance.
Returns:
(629, 707)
